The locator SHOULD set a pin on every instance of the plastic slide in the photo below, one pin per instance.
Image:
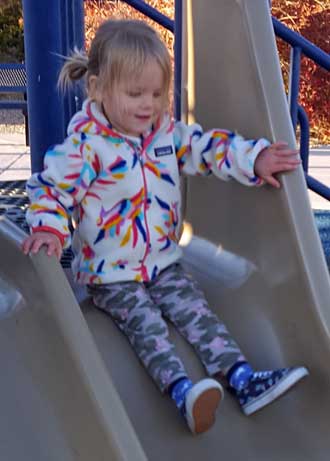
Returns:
(72, 389)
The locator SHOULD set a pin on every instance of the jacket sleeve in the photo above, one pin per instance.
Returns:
(223, 153)
(69, 169)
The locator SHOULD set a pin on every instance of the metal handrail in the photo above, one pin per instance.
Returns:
(152, 13)
(310, 50)
(301, 46)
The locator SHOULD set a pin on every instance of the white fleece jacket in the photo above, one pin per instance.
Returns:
(124, 192)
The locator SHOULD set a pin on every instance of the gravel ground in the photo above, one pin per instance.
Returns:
(11, 121)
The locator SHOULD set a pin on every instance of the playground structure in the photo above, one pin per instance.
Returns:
(13, 80)
(74, 389)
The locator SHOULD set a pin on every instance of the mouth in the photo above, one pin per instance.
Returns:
(143, 118)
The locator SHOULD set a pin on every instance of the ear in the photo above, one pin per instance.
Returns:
(93, 87)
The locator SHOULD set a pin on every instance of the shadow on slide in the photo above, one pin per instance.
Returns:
(71, 388)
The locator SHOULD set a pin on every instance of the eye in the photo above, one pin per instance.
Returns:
(157, 94)
(134, 94)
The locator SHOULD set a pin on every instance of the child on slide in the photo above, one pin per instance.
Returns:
(118, 174)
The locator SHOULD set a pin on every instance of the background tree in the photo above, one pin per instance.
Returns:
(11, 31)
(310, 18)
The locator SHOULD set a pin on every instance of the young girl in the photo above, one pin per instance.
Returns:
(118, 175)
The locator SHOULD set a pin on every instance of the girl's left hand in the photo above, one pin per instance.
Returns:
(276, 158)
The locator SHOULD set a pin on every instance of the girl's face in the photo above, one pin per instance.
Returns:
(136, 103)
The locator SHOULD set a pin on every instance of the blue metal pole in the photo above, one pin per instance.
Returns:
(304, 137)
(317, 187)
(43, 39)
(78, 40)
(74, 36)
(178, 58)
(47, 34)
(294, 84)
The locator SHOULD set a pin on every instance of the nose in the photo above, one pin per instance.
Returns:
(147, 101)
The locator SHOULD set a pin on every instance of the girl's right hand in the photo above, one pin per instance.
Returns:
(34, 242)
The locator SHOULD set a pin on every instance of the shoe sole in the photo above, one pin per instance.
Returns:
(204, 407)
(272, 394)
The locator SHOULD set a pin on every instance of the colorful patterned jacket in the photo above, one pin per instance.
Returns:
(124, 192)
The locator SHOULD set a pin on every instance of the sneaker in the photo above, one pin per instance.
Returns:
(201, 403)
(266, 386)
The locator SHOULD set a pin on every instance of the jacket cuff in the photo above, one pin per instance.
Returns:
(51, 230)
(258, 148)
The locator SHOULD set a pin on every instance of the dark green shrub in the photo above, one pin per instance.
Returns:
(11, 31)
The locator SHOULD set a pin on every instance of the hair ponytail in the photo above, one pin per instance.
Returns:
(74, 68)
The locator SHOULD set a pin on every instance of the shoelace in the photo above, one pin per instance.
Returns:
(262, 374)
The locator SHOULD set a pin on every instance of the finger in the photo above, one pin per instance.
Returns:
(285, 166)
(279, 145)
(286, 159)
(57, 249)
(36, 245)
(51, 248)
(286, 154)
(284, 150)
(26, 246)
(272, 181)
(59, 252)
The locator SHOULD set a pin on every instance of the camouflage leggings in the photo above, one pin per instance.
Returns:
(138, 310)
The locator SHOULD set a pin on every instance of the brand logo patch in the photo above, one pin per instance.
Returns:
(164, 150)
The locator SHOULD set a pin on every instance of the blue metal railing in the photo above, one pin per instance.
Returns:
(310, 50)
(152, 13)
(301, 46)
(49, 111)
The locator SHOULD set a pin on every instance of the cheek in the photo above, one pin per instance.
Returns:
(125, 107)
(160, 106)
(121, 109)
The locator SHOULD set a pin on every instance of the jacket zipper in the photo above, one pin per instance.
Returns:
(145, 276)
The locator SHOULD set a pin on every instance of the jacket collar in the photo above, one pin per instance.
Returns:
(105, 128)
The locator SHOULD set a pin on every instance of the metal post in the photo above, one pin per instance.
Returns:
(304, 137)
(178, 58)
(74, 36)
(294, 84)
(45, 38)
(42, 39)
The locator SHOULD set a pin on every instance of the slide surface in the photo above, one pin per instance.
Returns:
(73, 389)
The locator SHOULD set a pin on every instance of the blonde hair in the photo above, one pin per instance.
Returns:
(118, 51)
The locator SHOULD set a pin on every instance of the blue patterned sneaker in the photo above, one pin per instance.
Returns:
(201, 403)
(266, 386)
